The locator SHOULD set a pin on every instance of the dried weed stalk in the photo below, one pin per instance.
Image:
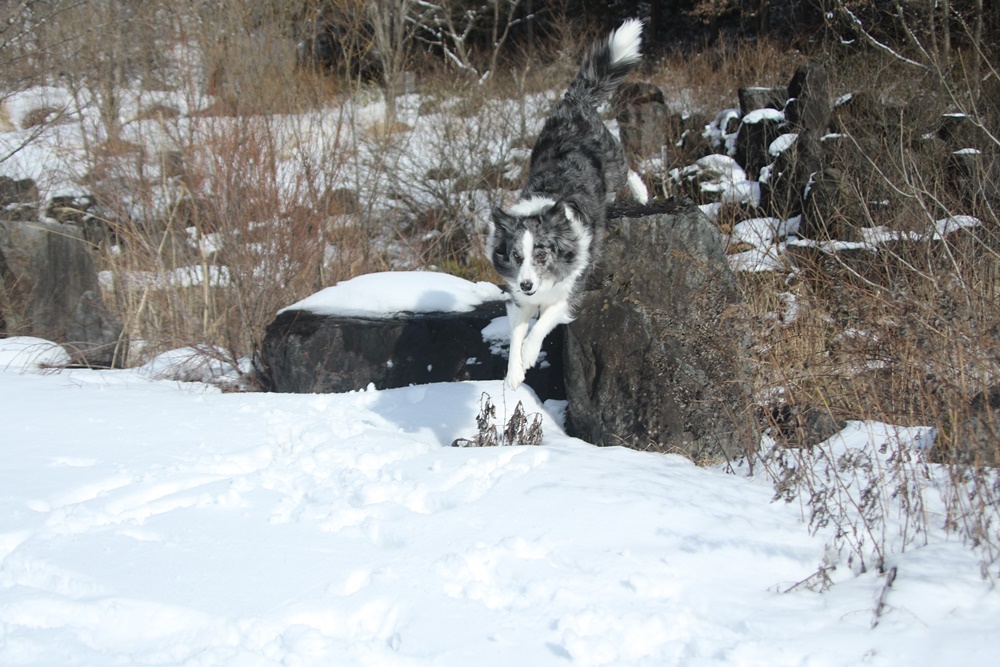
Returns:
(518, 430)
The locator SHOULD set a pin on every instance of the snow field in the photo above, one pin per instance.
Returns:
(154, 522)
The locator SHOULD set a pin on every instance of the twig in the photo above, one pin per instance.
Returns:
(890, 577)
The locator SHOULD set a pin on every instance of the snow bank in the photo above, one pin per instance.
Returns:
(26, 353)
(390, 293)
(158, 523)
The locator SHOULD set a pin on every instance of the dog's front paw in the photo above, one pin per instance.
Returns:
(515, 376)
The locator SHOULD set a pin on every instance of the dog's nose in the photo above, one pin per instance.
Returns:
(527, 286)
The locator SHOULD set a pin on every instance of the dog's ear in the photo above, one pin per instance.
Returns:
(576, 209)
(501, 220)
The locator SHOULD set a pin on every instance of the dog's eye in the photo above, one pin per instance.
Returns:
(541, 255)
(516, 256)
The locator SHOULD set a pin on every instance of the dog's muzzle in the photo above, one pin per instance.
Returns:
(527, 287)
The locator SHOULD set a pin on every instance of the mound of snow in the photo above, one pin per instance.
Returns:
(26, 353)
(389, 293)
(155, 523)
(721, 176)
(763, 232)
(782, 143)
(188, 364)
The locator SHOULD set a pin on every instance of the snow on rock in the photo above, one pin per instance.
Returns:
(760, 115)
(763, 232)
(27, 353)
(757, 260)
(718, 131)
(945, 226)
(881, 235)
(766, 235)
(388, 293)
(189, 364)
(721, 176)
(782, 143)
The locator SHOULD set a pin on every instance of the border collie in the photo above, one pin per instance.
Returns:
(546, 243)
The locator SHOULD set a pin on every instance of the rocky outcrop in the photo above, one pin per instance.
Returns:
(973, 439)
(49, 288)
(655, 360)
(644, 121)
(18, 199)
(792, 170)
(308, 353)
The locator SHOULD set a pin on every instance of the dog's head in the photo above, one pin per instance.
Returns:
(537, 243)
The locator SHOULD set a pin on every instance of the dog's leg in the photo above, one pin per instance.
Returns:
(519, 319)
(637, 187)
(550, 317)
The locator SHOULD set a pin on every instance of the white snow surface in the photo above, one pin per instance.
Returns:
(721, 176)
(763, 232)
(151, 522)
(782, 143)
(760, 115)
(23, 353)
(386, 294)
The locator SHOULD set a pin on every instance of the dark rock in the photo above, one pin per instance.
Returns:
(960, 131)
(18, 199)
(637, 92)
(791, 174)
(50, 290)
(656, 357)
(832, 209)
(755, 98)
(644, 121)
(803, 426)
(983, 428)
(975, 176)
(975, 438)
(809, 106)
(70, 208)
(308, 353)
(753, 140)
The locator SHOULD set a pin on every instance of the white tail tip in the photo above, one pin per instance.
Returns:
(625, 42)
(637, 187)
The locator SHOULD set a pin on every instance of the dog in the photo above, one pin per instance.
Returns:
(546, 243)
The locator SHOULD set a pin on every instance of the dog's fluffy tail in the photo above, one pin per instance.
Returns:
(607, 64)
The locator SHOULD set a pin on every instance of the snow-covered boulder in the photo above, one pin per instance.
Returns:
(397, 329)
(27, 353)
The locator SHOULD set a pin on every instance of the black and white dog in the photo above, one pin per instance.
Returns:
(546, 243)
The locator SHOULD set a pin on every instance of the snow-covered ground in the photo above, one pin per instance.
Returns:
(152, 522)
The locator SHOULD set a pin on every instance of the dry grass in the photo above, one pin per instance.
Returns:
(705, 81)
(908, 335)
